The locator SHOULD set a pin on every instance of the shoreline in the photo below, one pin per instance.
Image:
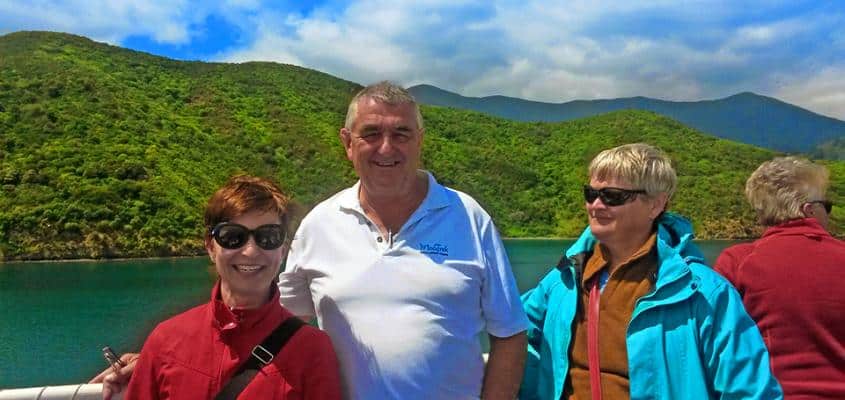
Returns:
(151, 258)
(92, 260)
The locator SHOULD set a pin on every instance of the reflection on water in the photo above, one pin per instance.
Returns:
(58, 315)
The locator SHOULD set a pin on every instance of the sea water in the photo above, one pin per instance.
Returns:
(56, 316)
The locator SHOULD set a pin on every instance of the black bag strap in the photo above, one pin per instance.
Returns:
(262, 355)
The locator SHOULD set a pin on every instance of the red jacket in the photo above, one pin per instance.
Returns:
(194, 354)
(791, 283)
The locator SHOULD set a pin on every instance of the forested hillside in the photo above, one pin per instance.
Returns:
(107, 152)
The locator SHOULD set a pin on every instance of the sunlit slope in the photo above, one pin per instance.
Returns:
(107, 152)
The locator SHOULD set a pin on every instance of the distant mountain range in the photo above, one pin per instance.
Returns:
(745, 117)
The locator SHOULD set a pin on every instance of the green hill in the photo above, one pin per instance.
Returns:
(107, 152)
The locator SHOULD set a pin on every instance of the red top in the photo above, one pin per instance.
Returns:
(791, 283)
(194, 354)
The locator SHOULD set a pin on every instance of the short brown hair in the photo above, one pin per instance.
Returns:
(243, 194)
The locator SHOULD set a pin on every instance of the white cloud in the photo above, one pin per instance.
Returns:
(265, 48)
(111, 21)
(822, 92)
(768, 35)
(368, 41)
(535, 49)
(352, 52)
(243, 4)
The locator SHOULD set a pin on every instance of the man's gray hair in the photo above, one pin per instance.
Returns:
(779, 188)
(384, 92)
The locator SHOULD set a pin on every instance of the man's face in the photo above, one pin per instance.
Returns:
(384, 145)
(615, 225)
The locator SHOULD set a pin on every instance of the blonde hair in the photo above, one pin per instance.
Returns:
(643, 166)
(383, 92)
(778, 188)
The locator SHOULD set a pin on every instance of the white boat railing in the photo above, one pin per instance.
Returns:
(83, 391)
(65, 392)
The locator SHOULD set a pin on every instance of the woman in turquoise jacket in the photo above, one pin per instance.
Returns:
(635, 279)
(690, 338)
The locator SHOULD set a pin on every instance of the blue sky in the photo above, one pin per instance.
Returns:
(540, 50)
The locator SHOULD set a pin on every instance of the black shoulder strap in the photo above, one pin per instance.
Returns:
(262, 355)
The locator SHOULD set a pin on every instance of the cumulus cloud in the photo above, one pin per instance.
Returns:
(173, 22)
(822, 92)
(534, 49)
(432, 41)
(325, 45)
(542, 51)
(110, 21)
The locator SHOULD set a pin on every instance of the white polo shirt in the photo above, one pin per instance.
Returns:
(404, 313)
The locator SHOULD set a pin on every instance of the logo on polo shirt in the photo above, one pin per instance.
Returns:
(434, 248)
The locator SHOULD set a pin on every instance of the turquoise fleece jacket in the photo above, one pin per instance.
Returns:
(689, 338)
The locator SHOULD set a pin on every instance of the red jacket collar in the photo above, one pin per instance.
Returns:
(800, 226)
(225, 319)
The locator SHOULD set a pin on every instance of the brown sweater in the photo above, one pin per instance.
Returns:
(630, 281)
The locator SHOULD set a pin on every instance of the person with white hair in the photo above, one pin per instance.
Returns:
(789, 277)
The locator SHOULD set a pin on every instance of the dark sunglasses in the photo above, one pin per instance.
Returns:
(827, 204)
(233, 236)
(610, 196)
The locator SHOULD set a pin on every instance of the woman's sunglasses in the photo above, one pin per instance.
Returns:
(610, 196)
(233, 236)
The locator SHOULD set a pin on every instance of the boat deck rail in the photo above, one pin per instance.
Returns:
(64, 392)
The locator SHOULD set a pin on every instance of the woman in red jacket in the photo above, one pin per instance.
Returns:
(194, 355)
(790, 278)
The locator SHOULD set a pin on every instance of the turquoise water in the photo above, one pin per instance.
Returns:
(58, 315)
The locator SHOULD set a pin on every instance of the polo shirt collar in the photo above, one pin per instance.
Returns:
(348, 199)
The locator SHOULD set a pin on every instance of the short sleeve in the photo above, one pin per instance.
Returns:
(500, 302)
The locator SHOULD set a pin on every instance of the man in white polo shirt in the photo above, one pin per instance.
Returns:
(404, 273)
